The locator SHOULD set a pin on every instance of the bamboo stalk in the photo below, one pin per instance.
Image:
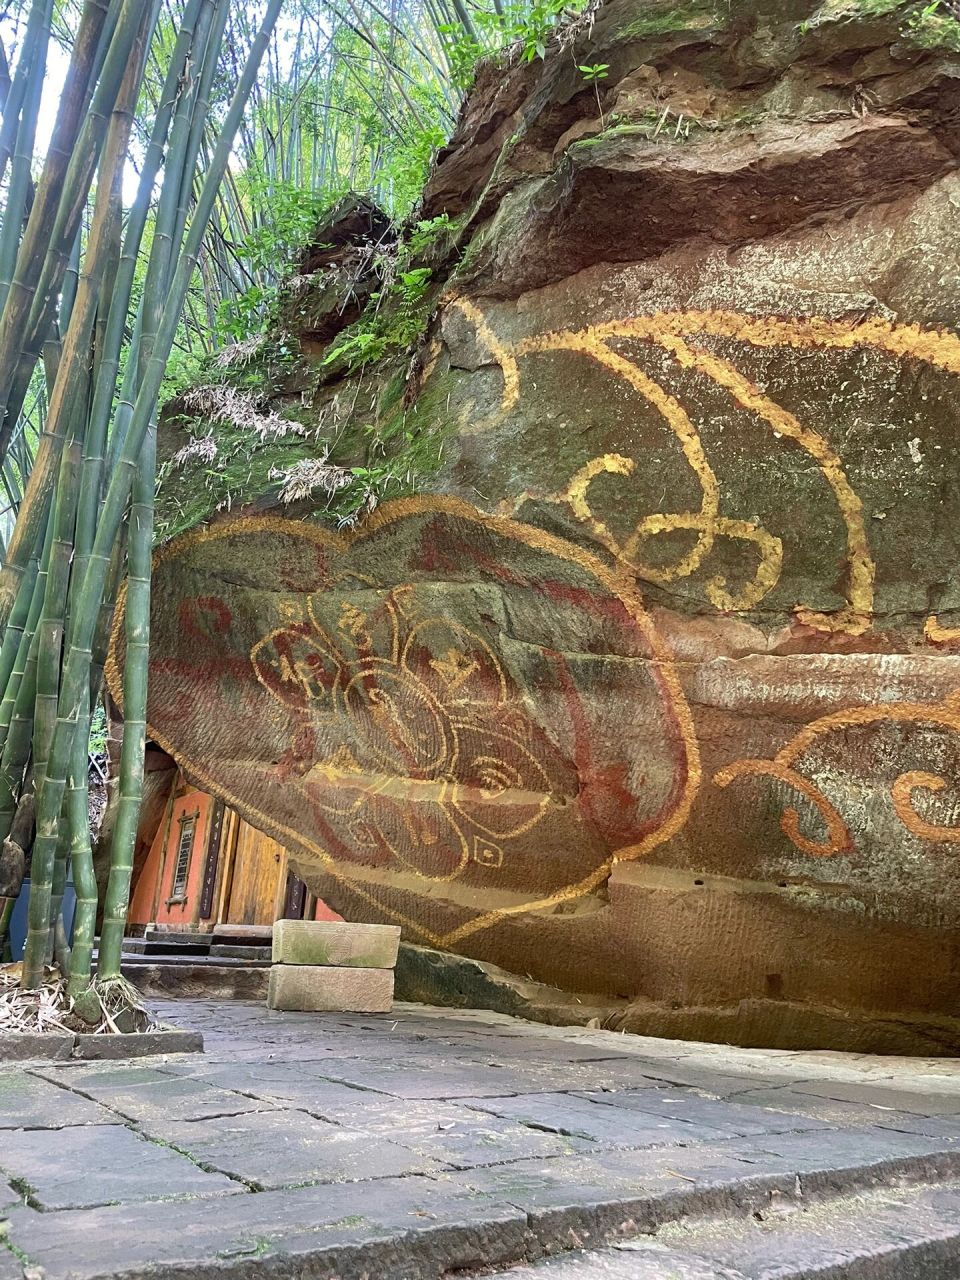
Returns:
(77, 342)
(49, 641)
(20, 183)
(36, 35)
(16, 750)
(51, 624)
(96, 439)
(86, 595)
(68, 383)
(81, 856)
(16, 624)
(77, 800)
(16, 709)
(36, 238)
(137, 632)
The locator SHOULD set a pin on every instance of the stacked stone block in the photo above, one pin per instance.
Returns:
(333, 966)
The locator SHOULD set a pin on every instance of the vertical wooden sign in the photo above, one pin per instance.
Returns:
(213, 859)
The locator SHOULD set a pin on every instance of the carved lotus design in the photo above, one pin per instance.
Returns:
(429, 761)
(449, 718)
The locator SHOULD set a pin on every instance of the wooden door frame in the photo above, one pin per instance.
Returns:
(228, 857)
(165, 828)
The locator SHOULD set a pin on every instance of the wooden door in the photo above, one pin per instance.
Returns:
(257, 864)
(181, 874)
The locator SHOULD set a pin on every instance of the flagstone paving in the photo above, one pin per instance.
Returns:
(428, 1143)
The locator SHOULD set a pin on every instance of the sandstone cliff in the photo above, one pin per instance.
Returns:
(597, 610)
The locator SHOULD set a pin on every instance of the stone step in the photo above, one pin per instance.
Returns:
(152, 947)
(243, 951)
(244, 934)
(184, 937)
(891, 1233)
(203, 961)
(197, 979)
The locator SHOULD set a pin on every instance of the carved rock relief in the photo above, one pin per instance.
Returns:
(423, 707)
(680, 333)
(455, 707)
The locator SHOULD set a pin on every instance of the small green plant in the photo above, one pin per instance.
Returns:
(401, 454)
(523, 27)
(393, 319)
(427, 233)
(593, 74)
(413, 284)
(935, 25)
(538, 22)
(98, 731)
(246, 313)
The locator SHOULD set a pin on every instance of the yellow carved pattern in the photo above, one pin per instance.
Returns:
(902, 792)
(671, 331)
(782, 767)
(675, 333)
(937, 634)
(504, 358)
(679, 422)
(770, 548)
(857, 617)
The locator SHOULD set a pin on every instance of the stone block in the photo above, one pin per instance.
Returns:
(335, 943)
(319, 988)
(21, 1046)
(138, 1044)
(228, 980)
(85, 1165)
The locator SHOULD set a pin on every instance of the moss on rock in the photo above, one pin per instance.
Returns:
(689, 17)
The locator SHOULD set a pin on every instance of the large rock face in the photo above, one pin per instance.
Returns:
(653, 689)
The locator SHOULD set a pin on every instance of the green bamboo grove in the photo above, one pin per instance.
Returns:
(79, 336)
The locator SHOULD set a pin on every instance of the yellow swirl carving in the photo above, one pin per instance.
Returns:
(579, 487)
(770, 548)
(944, 714)
(838, 838)
(679, 422)
(717, 592)
(671, 331)
(937, 634)
(856, 618)
(902, 792)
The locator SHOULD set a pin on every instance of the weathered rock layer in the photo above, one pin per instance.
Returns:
(652, 690)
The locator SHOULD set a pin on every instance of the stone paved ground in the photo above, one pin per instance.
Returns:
(429, 1143)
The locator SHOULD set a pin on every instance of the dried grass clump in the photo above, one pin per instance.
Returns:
(199, 449)
(239, 353)
(40, 1010)
(573, 26)
(316, 280)
(308, 475)
(222, 403)
(110, 1007)
(113, 1006)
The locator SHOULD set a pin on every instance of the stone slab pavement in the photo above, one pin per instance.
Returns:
(427, 1143)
